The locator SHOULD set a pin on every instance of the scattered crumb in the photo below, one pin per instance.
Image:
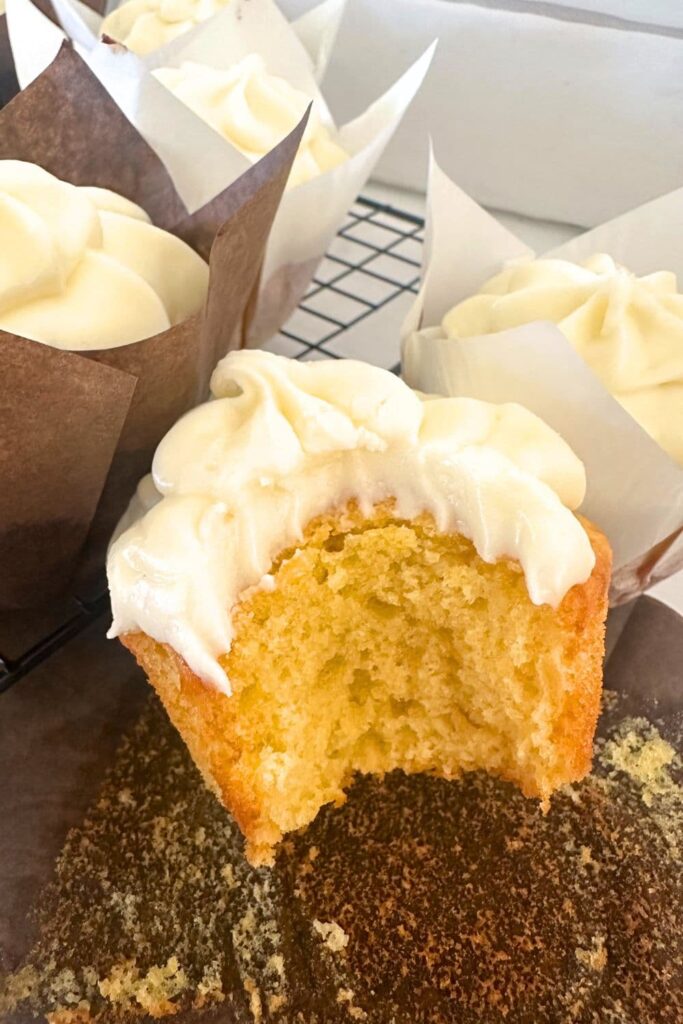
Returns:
(228, 874)
(641, 753)
(19, 988)
(79, 1015)
(210, 987)
(276, 1003)
(118, 986)
(276, 965)
(637, 751)
(346, 996)
(154, 991)
(594, 958)
(586, 858)
(610, 700)
(255, 1004)
(334, 937)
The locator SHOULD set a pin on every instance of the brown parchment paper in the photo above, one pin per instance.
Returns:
(9, 85)
(41, 428)
(448, 902)
(66, 122)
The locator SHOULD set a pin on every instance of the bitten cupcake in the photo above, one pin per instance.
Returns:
(254, 110)
(88, 270)
(628, 329)
(328, 574)
(145, 25)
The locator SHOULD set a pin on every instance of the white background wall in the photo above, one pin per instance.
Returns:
(552, 118)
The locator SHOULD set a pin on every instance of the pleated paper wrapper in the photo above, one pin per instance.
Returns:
(77, 430)
(635, 489)
(310, 213)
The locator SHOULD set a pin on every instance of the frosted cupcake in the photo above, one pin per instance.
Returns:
(327, 575)
(628, 329)
(88, 269)
(254, 110)
(145, 25)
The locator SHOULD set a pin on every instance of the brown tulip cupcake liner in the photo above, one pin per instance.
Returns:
(9, 85)
(78, 429)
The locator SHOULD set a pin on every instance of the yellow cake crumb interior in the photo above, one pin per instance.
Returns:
(385, 645)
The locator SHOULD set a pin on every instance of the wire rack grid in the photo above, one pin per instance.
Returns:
(373, 261)
(372, 264)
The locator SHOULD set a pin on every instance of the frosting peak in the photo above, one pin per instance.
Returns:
(628, 329)
(237, 480)
(254, 110)
(85, 268)
(145, 25)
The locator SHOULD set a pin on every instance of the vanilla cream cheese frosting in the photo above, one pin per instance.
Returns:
(236, 481)
(255, 110)
(628, 329)
(84, 268)
(145, 25)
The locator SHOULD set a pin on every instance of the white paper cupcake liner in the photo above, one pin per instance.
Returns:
(635, 489)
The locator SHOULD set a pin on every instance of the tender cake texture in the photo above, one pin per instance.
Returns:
(384, 644)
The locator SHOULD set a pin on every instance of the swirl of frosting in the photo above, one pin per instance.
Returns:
(145, 25)
(255, 110)
(236, 481)
(85, 268)
(628, 329)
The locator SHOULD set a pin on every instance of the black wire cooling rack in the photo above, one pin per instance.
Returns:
(373, 262)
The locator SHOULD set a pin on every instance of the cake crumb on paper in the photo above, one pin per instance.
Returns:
(345, 997)
(641, 753)
(154, 991)
(332, 934)
(255, 1003)
(594, 958)
(650, 763)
